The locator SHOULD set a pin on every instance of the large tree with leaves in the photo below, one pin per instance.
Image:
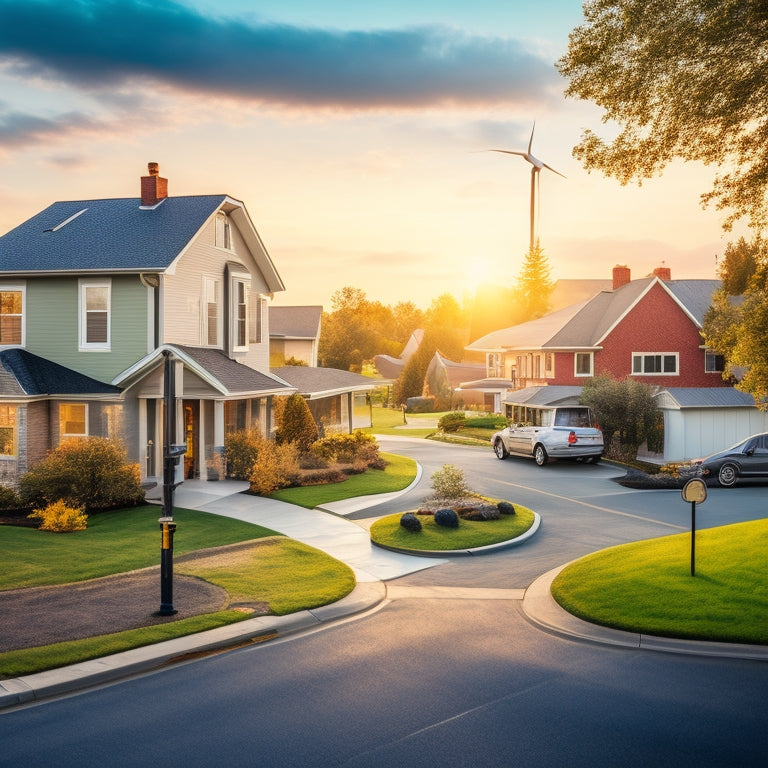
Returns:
(682, 79)
(736, 324)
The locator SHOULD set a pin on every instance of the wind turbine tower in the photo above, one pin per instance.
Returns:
(536, 167)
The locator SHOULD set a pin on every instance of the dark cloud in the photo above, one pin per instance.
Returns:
(104, 43)
(19, 129)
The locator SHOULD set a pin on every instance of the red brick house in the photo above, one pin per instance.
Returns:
(646, 329)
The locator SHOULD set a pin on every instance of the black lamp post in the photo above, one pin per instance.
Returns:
(171, 454)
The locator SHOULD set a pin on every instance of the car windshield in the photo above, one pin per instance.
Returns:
(573, 417)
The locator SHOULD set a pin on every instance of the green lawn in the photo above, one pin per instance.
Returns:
(470, 533)
(647, 586)
(114, 542)
(398, 474)
(287, 574)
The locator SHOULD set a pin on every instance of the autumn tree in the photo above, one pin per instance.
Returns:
(681, 80)
(736, 324)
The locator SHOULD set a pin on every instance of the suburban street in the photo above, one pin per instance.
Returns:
(437, 675)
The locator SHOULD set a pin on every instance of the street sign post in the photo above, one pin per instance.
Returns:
(695, 492)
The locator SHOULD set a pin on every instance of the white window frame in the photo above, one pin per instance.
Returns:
(710, 354)
(67, 435)
(222, 236)
(237, 279)
(642, 355)
(22, 289)
(211, 284)
(83, 286)
(576, 356)
(256, 327)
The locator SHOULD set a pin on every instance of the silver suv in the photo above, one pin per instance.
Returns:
(550, 432)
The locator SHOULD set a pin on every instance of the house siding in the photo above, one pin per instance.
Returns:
(182, 295)
(655, 324)
(52, 325)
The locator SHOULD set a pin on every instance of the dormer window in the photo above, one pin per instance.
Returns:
(12, 315)
(223, 231)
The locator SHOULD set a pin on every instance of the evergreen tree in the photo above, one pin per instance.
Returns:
(534, 286)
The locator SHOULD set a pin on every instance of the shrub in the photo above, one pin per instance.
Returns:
(348, 449)
(240, 451)
(424, 404)
(447, 518)
(296, 424)
(276, 467)
(448, 483)
(410, 522)
(9, 499)
(92, 473)
(451, 422)
(60, 518)
(505, 508)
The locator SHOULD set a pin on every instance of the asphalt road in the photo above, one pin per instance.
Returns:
(440, 681)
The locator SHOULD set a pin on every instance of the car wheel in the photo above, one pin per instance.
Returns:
(540, 455)
(499, 449)
(728, 474)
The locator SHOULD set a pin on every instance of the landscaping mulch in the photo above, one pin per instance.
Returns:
(44, 615)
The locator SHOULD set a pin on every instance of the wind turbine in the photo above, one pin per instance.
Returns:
(536, 166)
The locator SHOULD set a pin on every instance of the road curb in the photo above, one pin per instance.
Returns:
(76, 677)
(541, 609)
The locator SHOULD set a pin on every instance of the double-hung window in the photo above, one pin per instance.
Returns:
(240, 300)
(73, 420)
(211, 312)
(7, 430)
(95, 312)
(713, 363)
(583, 363)
(12, 298)
(223, 231)
(655, 363)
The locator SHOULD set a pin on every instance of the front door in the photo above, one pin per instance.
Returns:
(192, 439)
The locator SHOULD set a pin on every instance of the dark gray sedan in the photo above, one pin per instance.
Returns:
(749, 458)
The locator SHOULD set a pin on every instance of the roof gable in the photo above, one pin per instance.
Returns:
(295, 322)
(121, 235)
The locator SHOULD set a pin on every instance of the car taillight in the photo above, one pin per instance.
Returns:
(572, 438)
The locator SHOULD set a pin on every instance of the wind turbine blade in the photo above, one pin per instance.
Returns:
(507, 152)
(530, 141)
(550, 168)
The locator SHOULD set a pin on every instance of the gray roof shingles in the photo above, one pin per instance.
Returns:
(295, 322)
(26, 374)
(236, 377)
(115, 234)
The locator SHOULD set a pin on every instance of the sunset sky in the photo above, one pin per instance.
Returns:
(352, 131)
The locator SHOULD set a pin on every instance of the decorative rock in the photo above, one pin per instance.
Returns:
(447, 518)
(505, 508)
(410, 522)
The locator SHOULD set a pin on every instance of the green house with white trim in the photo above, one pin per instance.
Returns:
(93, 292)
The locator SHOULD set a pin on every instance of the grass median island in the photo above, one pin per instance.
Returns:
(647, 586)
(285, 574)
(470, 534)
(397, 475)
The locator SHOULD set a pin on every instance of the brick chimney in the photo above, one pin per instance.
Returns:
(621, 276)
(663, 273)
(153, 187)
